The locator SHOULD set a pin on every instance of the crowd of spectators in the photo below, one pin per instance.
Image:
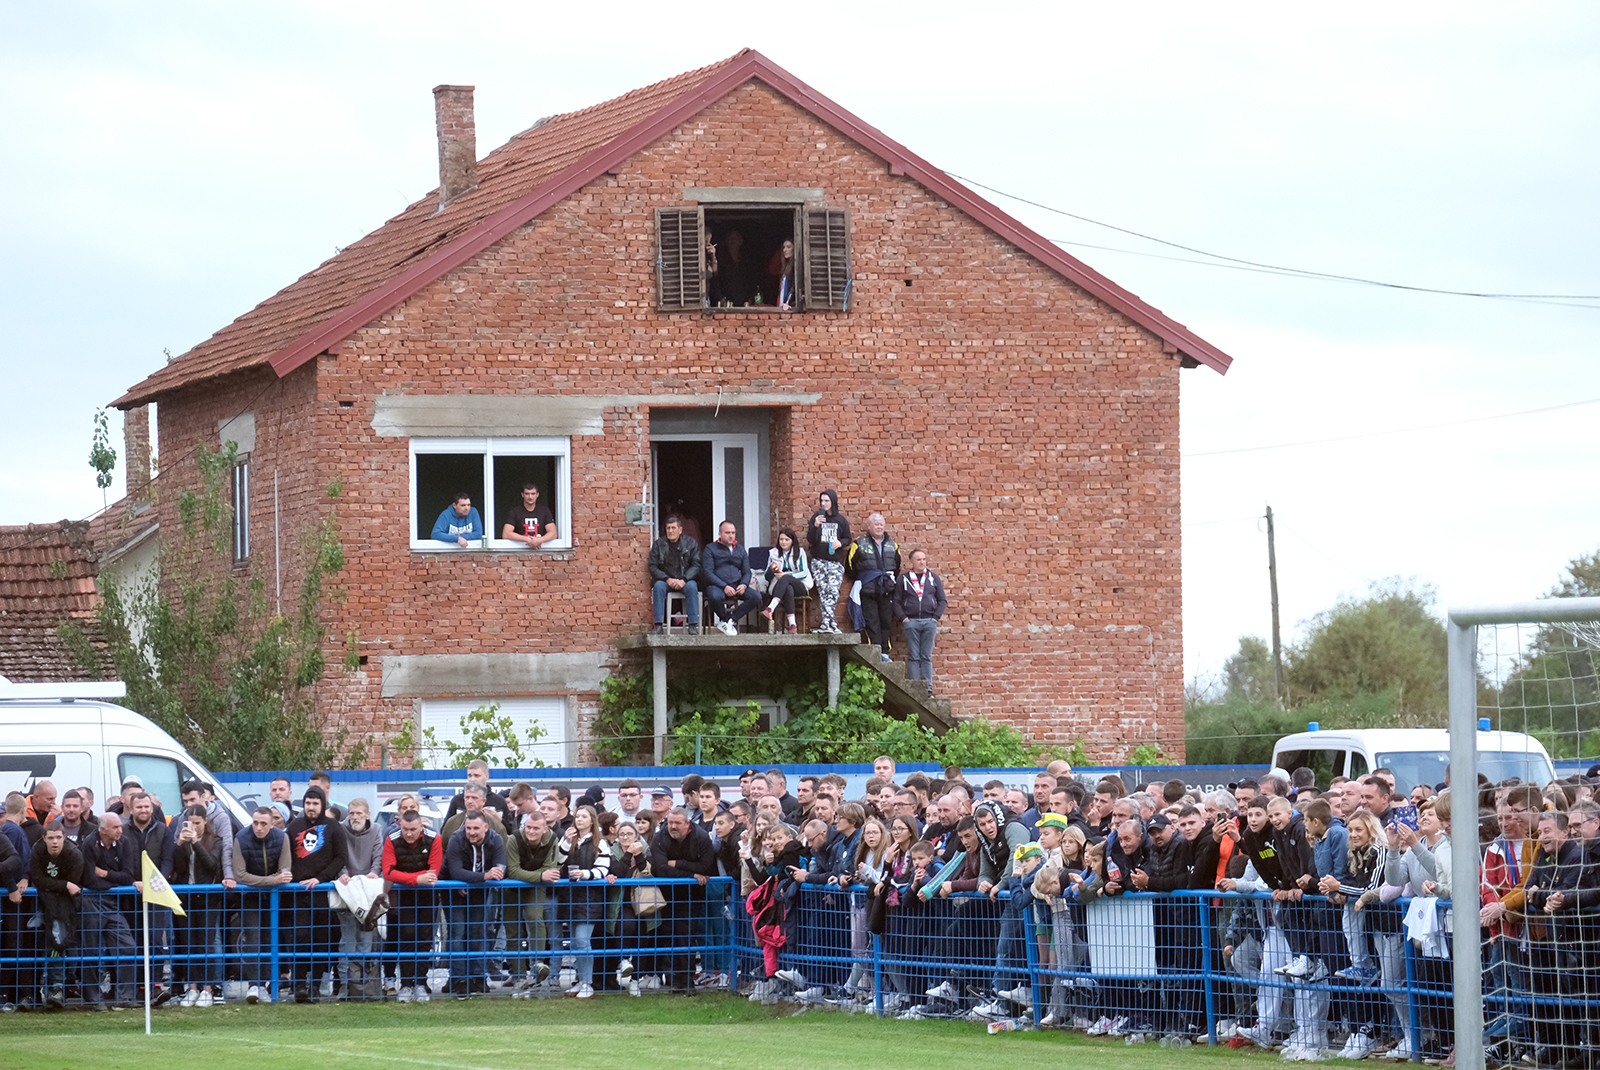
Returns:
(954, 878)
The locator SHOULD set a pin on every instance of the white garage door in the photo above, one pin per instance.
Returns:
(444, 717)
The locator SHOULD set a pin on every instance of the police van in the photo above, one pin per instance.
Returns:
(67, 734)
(1417, 755)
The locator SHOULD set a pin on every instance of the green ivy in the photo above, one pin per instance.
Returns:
(707, 728)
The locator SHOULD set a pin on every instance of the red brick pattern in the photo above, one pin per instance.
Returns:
(1020, 430)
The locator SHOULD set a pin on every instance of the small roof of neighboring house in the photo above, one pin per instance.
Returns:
(47, 576)
(537, 169)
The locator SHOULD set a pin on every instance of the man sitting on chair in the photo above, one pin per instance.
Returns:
(726, 564)
(675, 567)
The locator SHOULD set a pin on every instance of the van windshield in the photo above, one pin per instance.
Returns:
(1428, 766)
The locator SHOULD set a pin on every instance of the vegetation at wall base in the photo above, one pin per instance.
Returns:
(711, 726)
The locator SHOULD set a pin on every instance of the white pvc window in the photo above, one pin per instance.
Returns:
(549, 713)
(492, 472)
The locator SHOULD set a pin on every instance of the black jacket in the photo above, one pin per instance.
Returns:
(693, 855)
(10, 864)
(1168, 867)
(207, 862)
(675, 561)
(868, 558)
(1296, 856)
(121, 863)
(908, 605)
(156, 840)
(50, 877)
(316, 848)
(1561, 872)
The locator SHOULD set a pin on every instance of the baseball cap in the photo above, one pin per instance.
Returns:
(1160, 821)
(1028, 850)
(131, 779)
(1055, 821)
(662, 789)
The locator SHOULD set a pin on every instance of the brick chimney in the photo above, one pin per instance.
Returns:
(136, 450)
(458, 141)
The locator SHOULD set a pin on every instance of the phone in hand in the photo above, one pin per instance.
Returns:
(1405, 817)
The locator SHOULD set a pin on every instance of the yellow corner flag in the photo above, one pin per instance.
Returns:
(156, 888)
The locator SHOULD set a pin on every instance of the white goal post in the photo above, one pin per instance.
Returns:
(1462, 627)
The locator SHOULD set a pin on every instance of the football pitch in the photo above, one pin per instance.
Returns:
(708, 1032)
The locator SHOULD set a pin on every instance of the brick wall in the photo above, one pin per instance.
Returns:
(1023, 433)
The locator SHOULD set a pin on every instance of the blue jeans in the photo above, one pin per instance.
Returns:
(581, 948)
(919, 648)
(691, 600)
(722, 606)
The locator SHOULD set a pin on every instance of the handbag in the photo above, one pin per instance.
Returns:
(647, 899)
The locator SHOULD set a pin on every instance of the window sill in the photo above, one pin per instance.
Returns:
(495, 546)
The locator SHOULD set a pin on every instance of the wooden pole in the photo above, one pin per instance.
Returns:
(1277, 642)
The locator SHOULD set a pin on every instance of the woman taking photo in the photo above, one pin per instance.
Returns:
(197, 859)
(828, 535)
(788, 578)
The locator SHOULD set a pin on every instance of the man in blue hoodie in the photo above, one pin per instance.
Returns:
(726, 564)
(459, 525)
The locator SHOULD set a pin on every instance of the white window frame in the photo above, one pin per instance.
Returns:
(750, 523)
(559, 448)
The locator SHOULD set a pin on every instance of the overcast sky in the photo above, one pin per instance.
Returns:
(169, 166)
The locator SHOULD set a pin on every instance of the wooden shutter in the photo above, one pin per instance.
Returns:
(680, 253)
(827, 258)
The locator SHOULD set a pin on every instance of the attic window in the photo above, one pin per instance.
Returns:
(750, 273)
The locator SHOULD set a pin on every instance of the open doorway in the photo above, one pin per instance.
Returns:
(683, 487)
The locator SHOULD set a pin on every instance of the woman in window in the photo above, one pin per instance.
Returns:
(780, 272)
(828, 535)
(788, 577)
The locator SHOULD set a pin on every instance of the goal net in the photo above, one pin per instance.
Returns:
(1525, 721)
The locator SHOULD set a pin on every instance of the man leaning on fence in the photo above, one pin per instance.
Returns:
(681, 850)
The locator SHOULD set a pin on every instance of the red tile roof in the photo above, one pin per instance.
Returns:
(538, 168)
(47, 576)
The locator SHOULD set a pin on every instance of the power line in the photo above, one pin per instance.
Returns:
(1279, 268)
(1393, 431)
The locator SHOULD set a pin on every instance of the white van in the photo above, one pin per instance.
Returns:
(1417, 755)
(61, 733)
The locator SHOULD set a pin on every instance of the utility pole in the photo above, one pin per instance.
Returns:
(1277, 644)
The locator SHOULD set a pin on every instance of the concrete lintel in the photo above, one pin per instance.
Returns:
(752, 194)
(418, 675)
(505, 415)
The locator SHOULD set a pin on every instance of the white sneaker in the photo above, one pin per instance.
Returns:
(1299, 966)
(190, 998)
(727, 627)
(1401, 1050)
(794, 977)
(1100, 1028)
(1080, 1022)
(253, 994)
(420, 994)
(944, 990)
(1359, 1046)
(1118, 1026)
(624, 970)
(633, 988)
(205, 998)
(585, 992)
(992, 1009)
(1020, 994)
(1259, 1035)
(814, 994)
(1049, 1021)
(404, 995)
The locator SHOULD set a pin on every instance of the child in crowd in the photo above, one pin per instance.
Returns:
(1010, 960)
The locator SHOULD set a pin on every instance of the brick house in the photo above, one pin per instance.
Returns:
(544, 316)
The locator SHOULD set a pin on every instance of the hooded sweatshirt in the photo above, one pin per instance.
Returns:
(317, 847)
(819, 549)
(363, 850)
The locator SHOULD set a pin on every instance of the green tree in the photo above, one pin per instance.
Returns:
(1389, 641)
(102, 458)
(1248, 673)
(205, 658)
(1553, 692)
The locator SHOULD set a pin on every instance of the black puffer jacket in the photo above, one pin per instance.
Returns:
(1168, 867)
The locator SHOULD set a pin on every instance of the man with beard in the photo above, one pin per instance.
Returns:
(318, 855)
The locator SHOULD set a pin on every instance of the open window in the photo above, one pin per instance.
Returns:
(732, 256)
(492, 472)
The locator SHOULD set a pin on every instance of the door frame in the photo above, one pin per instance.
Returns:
(750, 523)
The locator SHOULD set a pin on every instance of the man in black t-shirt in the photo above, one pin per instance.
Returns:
(530, 522)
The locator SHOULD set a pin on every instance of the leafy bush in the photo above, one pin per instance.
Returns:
(1241, 731)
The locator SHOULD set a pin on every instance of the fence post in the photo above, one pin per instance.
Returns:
(877, 974)
(1206, 922)
(272, 911)
(697, 749)
(1030, 940)
(1411, 1001)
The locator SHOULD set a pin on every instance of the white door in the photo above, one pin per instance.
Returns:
(735, 483)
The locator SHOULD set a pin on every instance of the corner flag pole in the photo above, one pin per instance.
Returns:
(145, 902)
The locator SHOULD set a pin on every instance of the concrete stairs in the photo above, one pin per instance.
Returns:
(903, 697)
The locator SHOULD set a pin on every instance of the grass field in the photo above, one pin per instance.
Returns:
(665, 1033)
